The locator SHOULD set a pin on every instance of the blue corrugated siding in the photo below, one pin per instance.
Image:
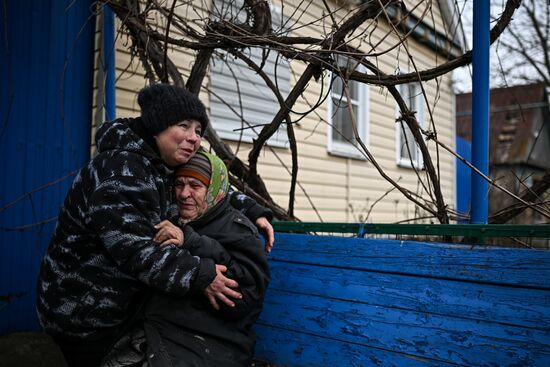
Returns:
(46, 66)
(463, 180)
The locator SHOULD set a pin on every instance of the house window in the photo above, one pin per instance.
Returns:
(408, 153)
(241, 104)
(341, 137)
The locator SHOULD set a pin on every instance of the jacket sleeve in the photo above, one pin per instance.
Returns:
(249, 207)
(246, 263)
(123, 211)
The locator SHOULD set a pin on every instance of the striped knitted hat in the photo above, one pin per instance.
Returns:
(198, 167)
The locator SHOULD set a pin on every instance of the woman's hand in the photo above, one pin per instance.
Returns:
(263, 225)
(221, 288)
(168, 234)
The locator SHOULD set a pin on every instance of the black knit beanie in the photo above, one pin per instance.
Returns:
(164, 105)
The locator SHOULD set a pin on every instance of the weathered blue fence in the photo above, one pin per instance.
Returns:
(357, 302)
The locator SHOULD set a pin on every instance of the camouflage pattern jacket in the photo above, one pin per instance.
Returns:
(101, 257)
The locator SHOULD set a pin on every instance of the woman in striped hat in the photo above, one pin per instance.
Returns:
(198, 330)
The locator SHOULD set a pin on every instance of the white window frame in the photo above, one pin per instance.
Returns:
(402, 161)
(346, 149)
(226, 127)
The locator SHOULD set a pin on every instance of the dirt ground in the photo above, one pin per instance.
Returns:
(35, 349)
(29, 349)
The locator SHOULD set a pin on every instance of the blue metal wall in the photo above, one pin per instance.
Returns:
(46, 68)
(463, 177)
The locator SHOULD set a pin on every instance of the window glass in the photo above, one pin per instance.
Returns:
(341, 136)
(407, 148)
(240, 102)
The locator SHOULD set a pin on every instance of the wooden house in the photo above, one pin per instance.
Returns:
(519, 142)
(336, 182)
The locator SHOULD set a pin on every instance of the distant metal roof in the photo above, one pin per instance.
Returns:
(519, 123)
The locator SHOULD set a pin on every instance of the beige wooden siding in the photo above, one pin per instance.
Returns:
(341, 189)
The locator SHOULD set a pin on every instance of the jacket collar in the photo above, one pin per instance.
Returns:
(214, 212)
(120, 135)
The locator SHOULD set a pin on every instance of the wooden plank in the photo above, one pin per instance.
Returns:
(290, 348)
(436, 337)
(482, 302)
(506, 266)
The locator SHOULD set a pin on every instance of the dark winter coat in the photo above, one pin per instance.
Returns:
(101, 257)
(188, 331)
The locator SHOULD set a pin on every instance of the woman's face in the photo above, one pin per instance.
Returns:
(179, 142)
(190, 197)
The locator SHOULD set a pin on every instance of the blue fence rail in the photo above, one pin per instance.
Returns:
(339, 301)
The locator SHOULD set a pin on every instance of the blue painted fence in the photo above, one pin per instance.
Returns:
(46, 65)
(359, 302)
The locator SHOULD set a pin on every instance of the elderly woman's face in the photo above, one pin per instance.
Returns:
(191, 197)
(179, 142)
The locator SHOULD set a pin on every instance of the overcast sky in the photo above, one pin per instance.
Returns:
(462, 76)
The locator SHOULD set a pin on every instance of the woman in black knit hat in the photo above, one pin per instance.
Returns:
(101, 259)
